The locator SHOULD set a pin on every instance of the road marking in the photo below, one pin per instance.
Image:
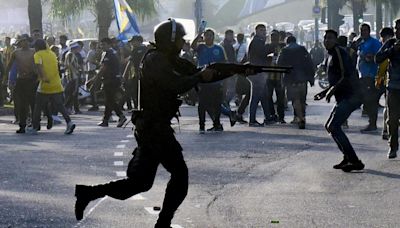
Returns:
(151, 210)
(118, 163)
(90, 212)
(138, 197)
(176, 226)
(124, 141)
(118, 154)
(130, 136)
(121, 146)
(121, 173)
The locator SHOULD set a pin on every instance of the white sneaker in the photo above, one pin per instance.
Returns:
(56, 119)
(70, 128)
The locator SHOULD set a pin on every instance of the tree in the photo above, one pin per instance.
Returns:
(35, 15)
(103, 10)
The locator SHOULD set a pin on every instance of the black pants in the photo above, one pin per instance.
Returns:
(339, 115)
(110, 95)
(156, 145)
(71, 94)
(393, 102)
(371, 99)
(25, 90)
(297, 93)
(280, 97)
(41, 103)
(93, 96)
(243, 87)
(210, 100)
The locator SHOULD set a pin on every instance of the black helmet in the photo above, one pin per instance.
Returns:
(167, 33)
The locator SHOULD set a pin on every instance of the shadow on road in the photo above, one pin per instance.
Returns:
(384, 174)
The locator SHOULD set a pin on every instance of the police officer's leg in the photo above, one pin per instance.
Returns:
(201, 109)
(141, 173)
(269, 97)
(177, 188)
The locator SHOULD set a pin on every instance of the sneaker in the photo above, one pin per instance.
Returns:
(232, 118)
(282, 121)
(350, 166)
(49, 123)
(70, 128)
(341, 164)
(82, 194)
(31, 131)
(56, 120)
(201, 130)
(392, 153)
(302, 125)
(93, 109)
(256, 124)
(216, 128)
(21, 130)
(103, 124)
(369, 128)
(121, 121)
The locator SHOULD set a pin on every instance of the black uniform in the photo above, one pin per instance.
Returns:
(136, 57)
(163, 78)
(111, 83)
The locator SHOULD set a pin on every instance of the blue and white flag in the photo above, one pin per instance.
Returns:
(126, 20)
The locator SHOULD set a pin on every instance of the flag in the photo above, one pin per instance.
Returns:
(254, 6)
(126, 20)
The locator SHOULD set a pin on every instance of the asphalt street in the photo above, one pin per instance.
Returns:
(274, 176)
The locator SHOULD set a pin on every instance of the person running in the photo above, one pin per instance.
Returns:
(344, 85)
(163, 77)
(50, 88)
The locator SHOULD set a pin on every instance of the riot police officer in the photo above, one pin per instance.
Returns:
(163, 76)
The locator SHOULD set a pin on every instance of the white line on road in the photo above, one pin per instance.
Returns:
(151, 210)
(124, 141)
(130, 136)
(121, 146)
(121, 173)
(118, 163)
(90, 212)
(118, 154)
(176, 226)
(137, 197)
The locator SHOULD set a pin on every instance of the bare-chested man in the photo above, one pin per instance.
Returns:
(26, 79)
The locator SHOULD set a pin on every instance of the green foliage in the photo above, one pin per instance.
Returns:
(63, 9)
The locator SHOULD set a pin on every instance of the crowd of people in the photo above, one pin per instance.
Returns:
(45, 78)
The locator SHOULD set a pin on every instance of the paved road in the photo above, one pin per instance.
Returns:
(276, 176)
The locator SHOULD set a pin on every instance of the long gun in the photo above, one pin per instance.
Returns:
(226, 70)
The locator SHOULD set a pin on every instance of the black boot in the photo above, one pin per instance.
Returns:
(84, 194)
(350, 166)
(341, 164)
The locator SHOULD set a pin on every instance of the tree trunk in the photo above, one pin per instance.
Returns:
(35, 15)
(104, 17)
(379, 17)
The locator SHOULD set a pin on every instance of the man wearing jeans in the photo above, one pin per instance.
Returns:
(343, 84)
(367, 70)
(50, 88)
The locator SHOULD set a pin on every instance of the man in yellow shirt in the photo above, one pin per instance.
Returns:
(50, 88)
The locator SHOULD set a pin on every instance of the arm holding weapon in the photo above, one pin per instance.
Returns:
(226, 70)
